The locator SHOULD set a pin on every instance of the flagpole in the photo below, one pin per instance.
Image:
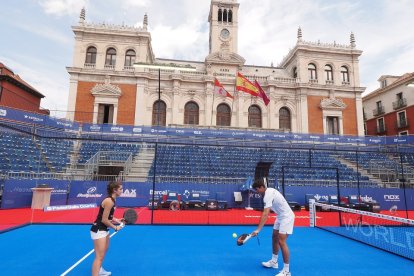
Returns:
(234, 97)
(212, 109)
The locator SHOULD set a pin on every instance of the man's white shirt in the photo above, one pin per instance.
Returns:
(274, 200)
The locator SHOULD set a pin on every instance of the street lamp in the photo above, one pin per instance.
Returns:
(186, 68)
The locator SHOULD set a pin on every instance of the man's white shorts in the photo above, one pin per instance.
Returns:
(99, 234)
(284, 225)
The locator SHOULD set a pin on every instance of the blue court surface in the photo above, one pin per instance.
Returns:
(189, 250)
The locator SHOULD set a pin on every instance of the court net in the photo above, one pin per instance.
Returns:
(386, 232)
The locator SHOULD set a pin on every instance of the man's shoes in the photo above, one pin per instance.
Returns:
(103, 272)
(270, 264)
(283, 273)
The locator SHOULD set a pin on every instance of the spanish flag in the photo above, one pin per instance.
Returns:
(243, 84)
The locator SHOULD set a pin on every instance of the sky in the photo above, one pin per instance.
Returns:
(37, 39)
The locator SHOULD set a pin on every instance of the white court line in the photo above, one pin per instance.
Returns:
(87, 255)
(82, 259)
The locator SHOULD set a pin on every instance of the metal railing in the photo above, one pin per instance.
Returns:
(378, 111)
(399, 103)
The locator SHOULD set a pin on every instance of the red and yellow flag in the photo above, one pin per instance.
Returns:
(243, 84)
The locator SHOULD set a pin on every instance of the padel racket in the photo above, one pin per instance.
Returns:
(243, 238)
(130, 216)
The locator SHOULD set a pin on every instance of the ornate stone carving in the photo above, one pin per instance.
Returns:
(332, 103)
(106, 89)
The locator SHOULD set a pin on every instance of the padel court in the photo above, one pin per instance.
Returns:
(189, 250)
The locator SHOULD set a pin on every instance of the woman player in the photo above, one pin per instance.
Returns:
(99, 229)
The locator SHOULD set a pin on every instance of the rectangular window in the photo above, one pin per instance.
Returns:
(399, 96)
(380, 125)
(403, 133)
(402, 119)
(379, 105)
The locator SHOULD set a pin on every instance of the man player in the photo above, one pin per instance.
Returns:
(283, 227)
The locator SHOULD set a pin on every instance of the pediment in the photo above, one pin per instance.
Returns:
(106, 89)
(225, 57)
(333, 104)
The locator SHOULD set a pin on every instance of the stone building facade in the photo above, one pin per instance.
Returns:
(314, 89)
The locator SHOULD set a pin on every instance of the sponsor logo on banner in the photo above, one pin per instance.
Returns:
(21, 190)
(117, 129)
(197, 132)
(3, 112)
(318, 197)
(179, 131)
(392, 197)
(314, 137)
(137, 129)
(69, 207)
(333, 138)
(59, 191)
(367, 198)
(95, 128)
(201, 193)
(64, 124)
(33, 118)
(259, 135)
(158, 193)
(90, 193)
(129, 193)
(237, 133)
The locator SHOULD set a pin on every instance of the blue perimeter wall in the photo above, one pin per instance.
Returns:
(18, 193)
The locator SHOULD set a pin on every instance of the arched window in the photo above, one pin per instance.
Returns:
(191, 113)
(223, 117)
(255, 116)
(220, 15)
(110, 57)
(284, 118)
(312, 71)
(345, 74)
(91, 55)
(328, 72)
(295, 72)
(129, 58)
(230, 15)
(159, 113)
(225, 16)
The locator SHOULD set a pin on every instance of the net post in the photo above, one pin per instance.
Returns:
(312, 216)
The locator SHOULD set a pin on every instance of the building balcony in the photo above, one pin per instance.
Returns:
(402, 123)
(89, 65)
(109, 67)
(129, 68)
(378, 111)
(313, 81)
(346, 83)
(329, 82)
(400, 103)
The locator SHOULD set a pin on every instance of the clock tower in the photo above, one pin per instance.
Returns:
(223, 19)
